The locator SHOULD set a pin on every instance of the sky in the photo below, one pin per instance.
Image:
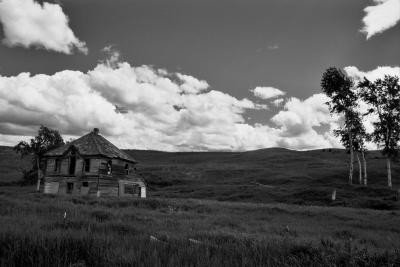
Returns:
(188, 75)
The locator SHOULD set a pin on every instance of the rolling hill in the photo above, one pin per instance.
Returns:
(267, 176)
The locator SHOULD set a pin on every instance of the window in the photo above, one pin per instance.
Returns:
(131, 189)
(70, 188)
(85, 184)
(109, 167)
(72, 164)
(126, 168)
(87, 165)
(57, 165)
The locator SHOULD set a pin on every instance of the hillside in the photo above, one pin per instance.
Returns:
(267, 175)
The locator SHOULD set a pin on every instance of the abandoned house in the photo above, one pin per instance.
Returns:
(91, 165)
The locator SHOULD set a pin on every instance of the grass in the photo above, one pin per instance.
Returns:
(117, 232)
(260, 208)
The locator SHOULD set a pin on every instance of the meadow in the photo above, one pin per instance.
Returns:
(189, 232)
(260, 208)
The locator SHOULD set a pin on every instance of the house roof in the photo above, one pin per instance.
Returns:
(92, 144)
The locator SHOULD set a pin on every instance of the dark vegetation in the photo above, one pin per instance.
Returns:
(268, 207)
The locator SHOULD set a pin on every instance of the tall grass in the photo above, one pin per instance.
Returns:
(117, 232)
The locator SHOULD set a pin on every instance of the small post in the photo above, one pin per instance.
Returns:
(65, 218)
(333, 195)
(98, 194)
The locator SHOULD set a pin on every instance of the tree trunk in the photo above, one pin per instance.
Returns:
(38, 175)
(359, 169)
(365, 168)
(389, 172)
(351, 159)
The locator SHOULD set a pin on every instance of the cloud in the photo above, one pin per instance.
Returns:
(380, 17)
(372, 75)
(267, 92)
(278, 102)
(273, 47)
(299, 120)
(162, 111)
(27, 23)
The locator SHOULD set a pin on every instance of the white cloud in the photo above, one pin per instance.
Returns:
(164, 111)
(278, 102)
(27, 23)
(267, 92)
(372, 75)
(273, 47)
(380, 17)
(299, 120)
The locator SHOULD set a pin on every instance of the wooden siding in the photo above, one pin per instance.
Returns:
(64, 166)
(94, 166)
(98, 180)
(143, 192)
(139, 189)
(51, 187)
(50, 164)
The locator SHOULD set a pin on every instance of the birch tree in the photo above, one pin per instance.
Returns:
(383, 96)
(360, 137)
(45, 140)
(336, 85)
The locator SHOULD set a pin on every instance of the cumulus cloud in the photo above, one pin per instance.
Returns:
(372, 75)
(300, 118)
(27, 23)
(162, 111)
(380, 17)
(278, 102)
(267, 92)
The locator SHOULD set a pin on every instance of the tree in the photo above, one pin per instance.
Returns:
(45, 140)
(338, 87)
(383, 96)
(360, 137)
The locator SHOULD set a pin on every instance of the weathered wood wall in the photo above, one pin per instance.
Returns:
(96, 179)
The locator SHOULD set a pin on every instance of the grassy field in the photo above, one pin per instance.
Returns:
(189, 232)
(268, 207)
(268, 176)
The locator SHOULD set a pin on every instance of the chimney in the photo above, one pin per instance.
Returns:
(96, 130)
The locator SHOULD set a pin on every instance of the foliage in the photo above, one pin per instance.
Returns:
(338, 87)
(357, 128)
(383, 96)
(46, 140)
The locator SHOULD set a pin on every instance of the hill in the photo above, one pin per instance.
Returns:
(266, 175)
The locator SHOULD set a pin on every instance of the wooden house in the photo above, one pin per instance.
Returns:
(91, 165)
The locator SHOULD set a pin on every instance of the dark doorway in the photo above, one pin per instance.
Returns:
(72, 164)
(70, 188)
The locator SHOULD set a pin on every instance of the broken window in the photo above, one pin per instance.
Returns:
(70, 188)
(109, 167)
(127, 169)
(72, 164)
(57, 165)
(132, 189)
(87, 165)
